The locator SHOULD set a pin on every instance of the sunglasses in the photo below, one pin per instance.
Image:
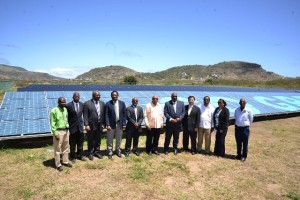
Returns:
(154, 98)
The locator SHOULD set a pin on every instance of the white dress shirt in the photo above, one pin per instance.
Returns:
(206, 117)
(243, 117)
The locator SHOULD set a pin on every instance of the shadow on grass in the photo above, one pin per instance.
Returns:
(49, 163)
(26, 143)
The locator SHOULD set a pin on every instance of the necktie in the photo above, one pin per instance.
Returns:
(174, 105)
(135, 112)
(77, 107)
(98, 109)
(116, 106)
(190, 109)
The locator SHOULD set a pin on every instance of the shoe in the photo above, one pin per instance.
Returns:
(155, 152)
(119, 155)
(149, 152)
(166, 152)
(186, 150)
(98, 155)
(109, 156)
(137, 153)
(175, 151)
(91, 157)
(73, 160)
(238, 157)
(126, 154)
(193, 153)
(67, 165)
(60, 169)
(81, 158)
(243, 159)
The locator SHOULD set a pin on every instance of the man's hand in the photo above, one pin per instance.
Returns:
(108, 128)
(87, 128)
(57, 137)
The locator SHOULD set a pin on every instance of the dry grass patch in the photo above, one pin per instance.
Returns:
(272, 171)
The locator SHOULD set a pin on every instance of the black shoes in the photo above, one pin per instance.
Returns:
(110, 156)
(155, 152)
(166, 152)
(238, 157)
(60, 169)
(81, 158)
(243, 159)
(119, 155)
(67, 165)
(175, 151)
(137, 153)
(98, 155)
(73, 160)
(91, 157)
(193, 153)
(126, 154)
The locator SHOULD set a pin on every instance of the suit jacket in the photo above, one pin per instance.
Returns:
(75, 119)
(169, 112)
(90, 114)
(131, 119)
(110, 115)
(190, 122)
(223, 118)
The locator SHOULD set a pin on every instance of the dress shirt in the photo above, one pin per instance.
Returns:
(243, 117)
(154, 116)
(174, 105)
(206, 118)
(135, 112)
(116, 106)
(190, 109)
(76, 106)
(97, 105)
(58, 119)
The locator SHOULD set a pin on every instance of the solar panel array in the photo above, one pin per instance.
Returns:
(27, 113)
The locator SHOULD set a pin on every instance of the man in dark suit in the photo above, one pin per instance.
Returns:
(135, 118)
(190, 125)
(75, 119)
(94, 121)
(174, 113)
(115, 116)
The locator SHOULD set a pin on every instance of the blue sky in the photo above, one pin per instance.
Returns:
(66, 38)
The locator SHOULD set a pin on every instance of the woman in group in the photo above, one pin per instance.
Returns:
(221, 122)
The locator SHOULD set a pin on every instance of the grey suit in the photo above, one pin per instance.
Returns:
(96, 123)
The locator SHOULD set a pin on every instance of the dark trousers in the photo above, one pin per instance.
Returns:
(76, 139)
(220, 142)
(94, 141)
(186, 135)
(132, 134)
(172, 130)
(152, 139)
(242, 138)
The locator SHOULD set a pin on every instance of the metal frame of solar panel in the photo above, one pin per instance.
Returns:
(26, 114)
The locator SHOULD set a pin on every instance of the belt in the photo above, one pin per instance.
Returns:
(241, 126)
(62, 129)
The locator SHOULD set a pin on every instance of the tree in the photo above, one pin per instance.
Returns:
(130, 80)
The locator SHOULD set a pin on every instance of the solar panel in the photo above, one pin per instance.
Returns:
(27, 112)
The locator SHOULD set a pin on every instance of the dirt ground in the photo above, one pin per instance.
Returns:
(272, 171)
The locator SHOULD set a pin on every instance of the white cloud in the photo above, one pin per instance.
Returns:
(66, 72)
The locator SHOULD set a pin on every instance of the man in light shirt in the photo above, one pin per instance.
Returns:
(154, 121)
(206, 126)
(243, 119)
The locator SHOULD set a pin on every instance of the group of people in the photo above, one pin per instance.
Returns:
(68, 121)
